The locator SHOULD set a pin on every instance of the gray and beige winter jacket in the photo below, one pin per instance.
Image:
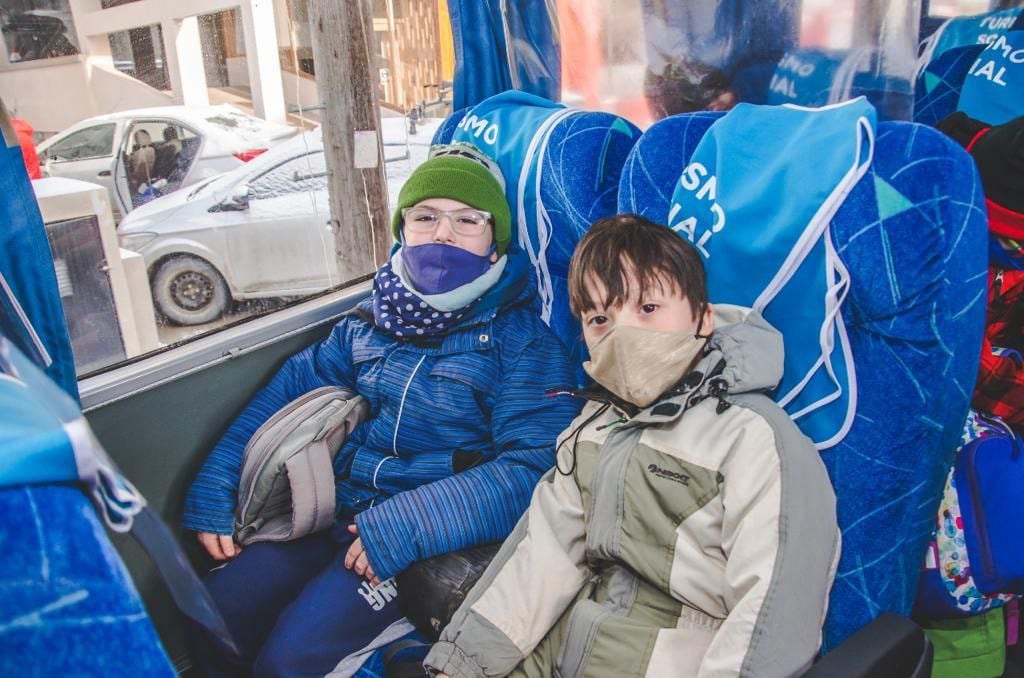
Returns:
(695, 538)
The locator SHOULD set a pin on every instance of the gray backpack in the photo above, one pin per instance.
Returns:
(287, 485)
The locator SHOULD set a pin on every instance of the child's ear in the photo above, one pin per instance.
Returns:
(708, 321)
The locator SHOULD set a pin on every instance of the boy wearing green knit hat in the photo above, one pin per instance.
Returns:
(452, 354)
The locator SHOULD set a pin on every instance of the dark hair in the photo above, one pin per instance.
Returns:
(616, 247)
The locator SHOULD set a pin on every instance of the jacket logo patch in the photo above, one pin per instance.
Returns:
(681, 478)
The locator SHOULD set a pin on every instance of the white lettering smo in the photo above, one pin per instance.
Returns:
(792, 62)
(693, 180)
(1016, 56)
(480, 126)
(986, 67)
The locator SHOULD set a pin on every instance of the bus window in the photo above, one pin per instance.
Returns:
(651, 59)
(175, 232)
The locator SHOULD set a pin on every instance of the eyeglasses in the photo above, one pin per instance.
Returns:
(466, 221)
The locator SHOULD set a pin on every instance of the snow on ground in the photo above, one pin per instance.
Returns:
(404, 152)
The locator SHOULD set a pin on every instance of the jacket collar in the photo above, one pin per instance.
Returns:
(473, 334)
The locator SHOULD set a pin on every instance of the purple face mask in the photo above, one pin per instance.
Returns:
(436, 268)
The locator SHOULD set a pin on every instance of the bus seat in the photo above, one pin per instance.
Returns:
(992, 93)
(946, 54)
(804, 76)
(811, 76)
(938, 83)
(67, 603)
(579, 179)
(916, 219)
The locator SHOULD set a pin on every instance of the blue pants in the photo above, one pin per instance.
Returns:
(293, 609)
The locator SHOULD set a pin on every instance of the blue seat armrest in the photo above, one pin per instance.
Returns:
(890, 646)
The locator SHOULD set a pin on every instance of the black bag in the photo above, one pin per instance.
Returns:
(433, 589)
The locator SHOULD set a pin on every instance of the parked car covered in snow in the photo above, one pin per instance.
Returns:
(260, 230)
(142, 154)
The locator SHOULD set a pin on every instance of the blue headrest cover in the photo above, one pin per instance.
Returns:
(579, 184)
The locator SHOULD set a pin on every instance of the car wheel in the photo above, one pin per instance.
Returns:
(189, 291)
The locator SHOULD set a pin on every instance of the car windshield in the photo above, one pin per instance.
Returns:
(201, 187)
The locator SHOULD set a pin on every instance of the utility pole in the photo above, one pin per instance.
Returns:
(346, 77)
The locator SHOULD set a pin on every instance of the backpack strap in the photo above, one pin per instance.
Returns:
(190, 595)
(311, 477)
(404, 668)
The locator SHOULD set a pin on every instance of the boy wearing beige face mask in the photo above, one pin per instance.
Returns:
(689, 527)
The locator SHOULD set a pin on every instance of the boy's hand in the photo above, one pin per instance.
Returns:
(219, 546)
(357, 560)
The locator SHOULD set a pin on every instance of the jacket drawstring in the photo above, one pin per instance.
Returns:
(575, 435)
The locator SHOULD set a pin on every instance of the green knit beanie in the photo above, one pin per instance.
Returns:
(459, 179)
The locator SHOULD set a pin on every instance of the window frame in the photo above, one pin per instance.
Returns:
(51, 60)
(144, 373)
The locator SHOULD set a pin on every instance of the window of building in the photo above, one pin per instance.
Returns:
(139, 52)
(37, 29)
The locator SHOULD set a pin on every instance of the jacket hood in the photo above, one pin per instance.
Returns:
(751, 348)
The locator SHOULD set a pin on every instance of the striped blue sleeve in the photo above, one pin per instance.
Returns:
(210, 502)
(483, 504)
(390, 474)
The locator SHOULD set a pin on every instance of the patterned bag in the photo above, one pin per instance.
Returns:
(948, 586)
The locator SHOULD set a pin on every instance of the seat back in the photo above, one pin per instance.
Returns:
(956, 52)
(67, 603)
(912, 235)
(810, 76)
(938, 83)
(570, 181)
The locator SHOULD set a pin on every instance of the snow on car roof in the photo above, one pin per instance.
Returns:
(225, 121)
(301, 143)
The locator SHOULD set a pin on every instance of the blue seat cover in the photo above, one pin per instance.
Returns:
(938, 84)
(579, 185)
(913, 235)
(67, 604)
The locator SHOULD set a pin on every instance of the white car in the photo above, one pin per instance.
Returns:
(261, 230)
(144, 153)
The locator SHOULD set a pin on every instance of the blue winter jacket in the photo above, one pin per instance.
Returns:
(479, 390)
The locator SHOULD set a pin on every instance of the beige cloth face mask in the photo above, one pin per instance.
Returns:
(638, 365)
